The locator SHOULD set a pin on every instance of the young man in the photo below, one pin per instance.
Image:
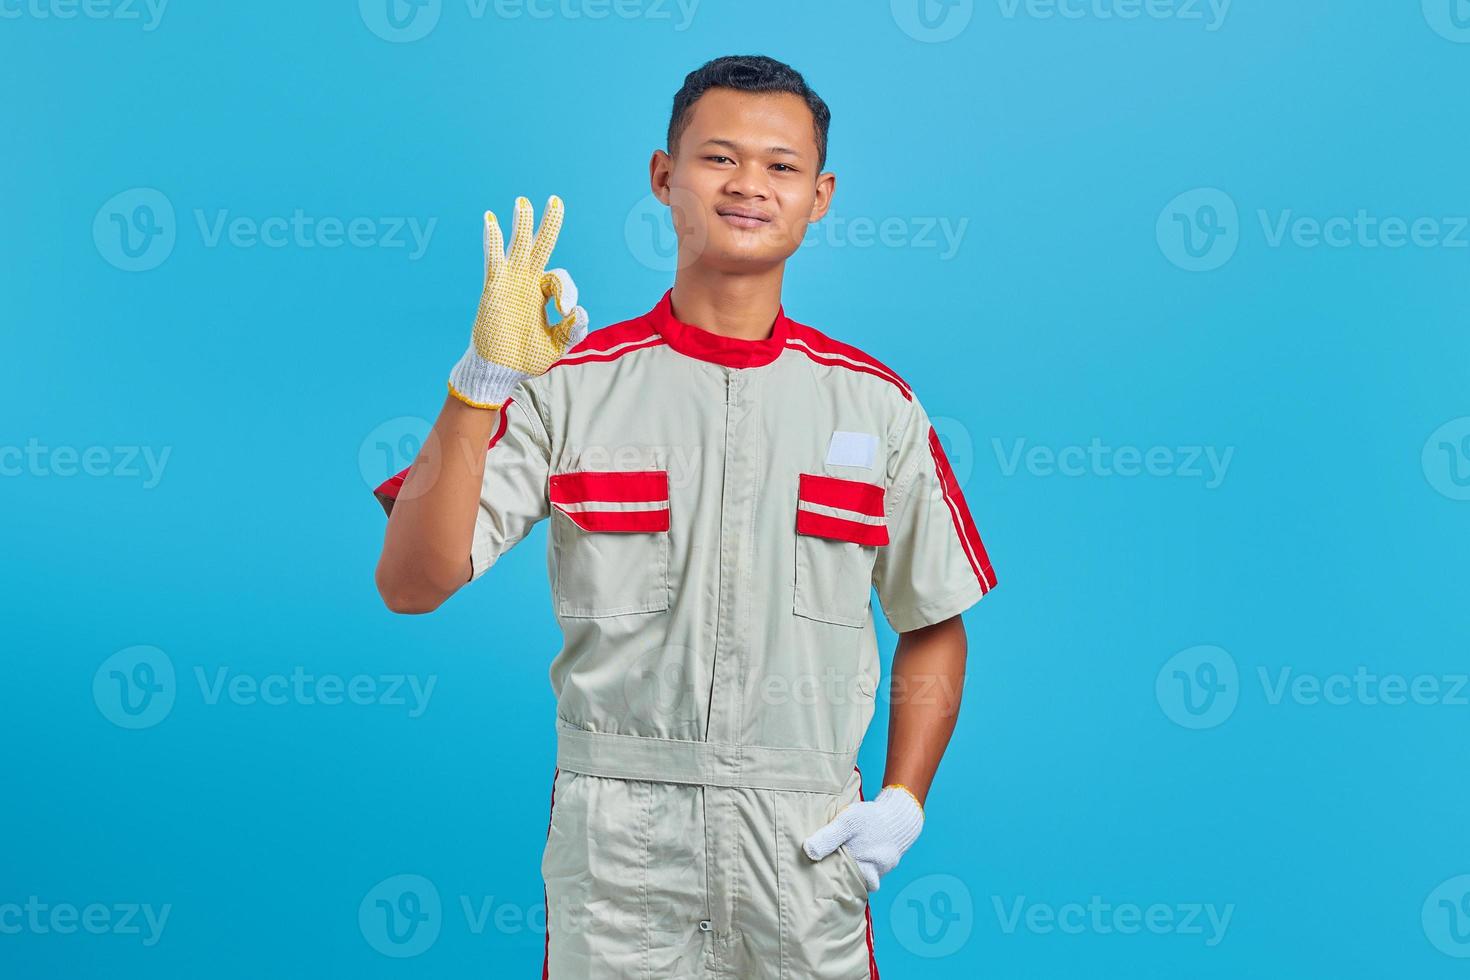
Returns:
(725, 486)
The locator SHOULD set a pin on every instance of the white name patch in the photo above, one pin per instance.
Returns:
(852, 449)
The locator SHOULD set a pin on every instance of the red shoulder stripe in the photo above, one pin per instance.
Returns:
(610, 343)
(959, 511)
(826, 350)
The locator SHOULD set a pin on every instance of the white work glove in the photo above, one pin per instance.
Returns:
(876, 832)
(512, 340)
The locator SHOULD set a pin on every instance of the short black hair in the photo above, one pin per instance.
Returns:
(748, 73)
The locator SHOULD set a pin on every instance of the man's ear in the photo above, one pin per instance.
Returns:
(660, 166)
(822, 203)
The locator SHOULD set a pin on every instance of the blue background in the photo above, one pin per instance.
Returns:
(1083, 764)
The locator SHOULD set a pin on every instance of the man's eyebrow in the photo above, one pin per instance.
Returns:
(736, 146)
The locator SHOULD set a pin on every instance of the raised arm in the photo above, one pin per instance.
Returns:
(431, 521)
(448, 518)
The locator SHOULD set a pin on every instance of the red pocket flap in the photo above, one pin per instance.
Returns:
(848, 510)
(613, 500)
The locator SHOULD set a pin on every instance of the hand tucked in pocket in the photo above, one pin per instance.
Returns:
(877, 833)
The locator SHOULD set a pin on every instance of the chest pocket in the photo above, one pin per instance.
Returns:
(610, 537)
(840, 525)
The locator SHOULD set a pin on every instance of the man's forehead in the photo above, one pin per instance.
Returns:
(753, 121)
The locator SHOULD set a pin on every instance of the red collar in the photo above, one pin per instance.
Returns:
(736, 352)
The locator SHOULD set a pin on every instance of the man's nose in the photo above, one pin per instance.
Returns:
(748, 181)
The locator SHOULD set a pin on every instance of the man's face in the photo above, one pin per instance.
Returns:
(743, 184)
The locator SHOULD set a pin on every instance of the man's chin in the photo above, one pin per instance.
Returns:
(754, 249)
(741, 260)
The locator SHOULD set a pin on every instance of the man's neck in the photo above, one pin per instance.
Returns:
(742, 306)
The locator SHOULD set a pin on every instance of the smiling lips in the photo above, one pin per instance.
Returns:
(744, 217)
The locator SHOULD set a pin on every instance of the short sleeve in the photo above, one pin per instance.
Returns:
(934, 565)
(513, 495)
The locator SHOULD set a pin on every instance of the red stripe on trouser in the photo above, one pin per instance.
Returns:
(546, 954)
(827, 526)
(867, 909)
(960, 513)
(865, 498)
(619, 486)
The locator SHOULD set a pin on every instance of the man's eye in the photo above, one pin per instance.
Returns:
(785, 166)
(717, 158)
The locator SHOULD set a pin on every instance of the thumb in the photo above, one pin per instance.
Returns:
(571, 330)
(829, 838)
(557, 284)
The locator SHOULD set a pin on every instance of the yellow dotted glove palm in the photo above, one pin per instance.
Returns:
(513, 340)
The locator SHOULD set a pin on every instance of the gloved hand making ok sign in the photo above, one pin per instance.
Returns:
(512, 338)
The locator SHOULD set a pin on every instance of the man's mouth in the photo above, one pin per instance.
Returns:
(744, 217)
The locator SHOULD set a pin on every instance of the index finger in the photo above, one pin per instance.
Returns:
(546, 234)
